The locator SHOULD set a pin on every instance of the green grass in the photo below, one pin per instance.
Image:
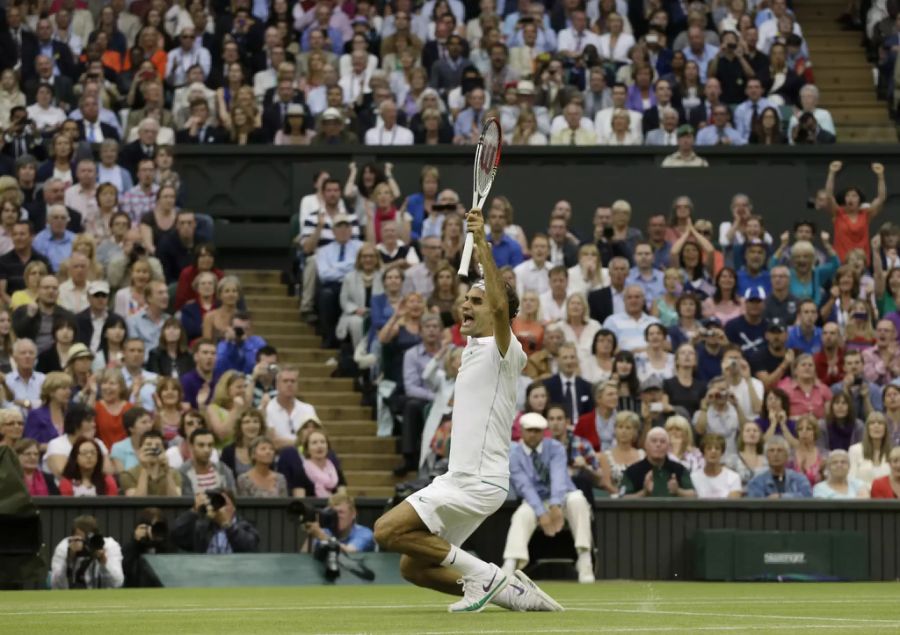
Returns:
(605, 607)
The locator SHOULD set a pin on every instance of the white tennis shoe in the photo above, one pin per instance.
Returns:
(479, 590)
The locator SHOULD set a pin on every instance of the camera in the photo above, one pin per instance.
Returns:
(719, 395)
(272, 369)
(444, 208)
(92, 544)
(327, 552)
(731, 46)
(239, 332)
(326, 517)
(858, 380)
(216, 502)
(157, 534)
(608, 233)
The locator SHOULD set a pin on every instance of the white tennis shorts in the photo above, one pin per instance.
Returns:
(454, 505)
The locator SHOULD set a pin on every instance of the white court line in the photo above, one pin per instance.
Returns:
(640, 629)
(892, 600)
(858, 620)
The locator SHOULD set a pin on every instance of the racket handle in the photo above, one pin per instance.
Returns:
(466, 258)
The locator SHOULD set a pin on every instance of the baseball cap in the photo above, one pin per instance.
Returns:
(331, 113)
(711, 323)
(533, 421)
(755, 293)
(341, 218)
(684, 130)
(776, 325)
(525, 87)
(653, 382)
(98, 286)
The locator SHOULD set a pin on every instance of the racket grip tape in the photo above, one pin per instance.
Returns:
(466, 258)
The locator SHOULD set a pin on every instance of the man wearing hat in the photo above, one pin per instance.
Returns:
(79, 364)
(748, 330)
(685, 157)
(334, 262)
(538, 469)
(332, 130)
(773, 362)
(90, 321)
(655, 406)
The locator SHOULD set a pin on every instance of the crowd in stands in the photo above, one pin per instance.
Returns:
(602, 72)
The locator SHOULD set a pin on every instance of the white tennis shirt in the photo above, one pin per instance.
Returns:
(484, 406)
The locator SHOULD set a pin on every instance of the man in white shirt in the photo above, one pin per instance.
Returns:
(769, 30)
(578, 131)
(73, 293)
(553, 302)
(534, 274)
(573, 40)
(181, 59)
(267, 78)
(603, 119)
(25, 382)
(82, 196)
(629, 327)
(63, 32)
(388, 132)
(286, 414)
(356, 84)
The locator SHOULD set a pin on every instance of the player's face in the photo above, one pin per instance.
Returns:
(476, 316)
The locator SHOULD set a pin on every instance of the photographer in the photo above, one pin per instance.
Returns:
(151, 535)
(152, 476)
(212, 526)
(263, 376)
(720, 414)
(341, 512)
(238, 350)
(21, 137)
(86, 559)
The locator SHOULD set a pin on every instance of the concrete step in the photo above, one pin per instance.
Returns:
(264, 288)
(334, 413)
(380, 462)
(828, 81)
(857, 115)
(267, 276)
(307, 355)
(343, 428)
(869, 133)
(333, 398)
(851, 100)
(369, 478)
(295, 340)
(310, 369)
(364, 444)
(262, 301)
(370, 492)
(320, 384)
(281, 327)
(834, 45)
(283, 314)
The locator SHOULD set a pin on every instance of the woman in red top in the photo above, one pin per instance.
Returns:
(889, 486)
(383, 209)
(851, 222)
(111, 405)
(83, 474)
(204, 260)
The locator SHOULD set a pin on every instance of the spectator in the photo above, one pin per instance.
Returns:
(657, 475)
(32, 320)
(806, 281)
(200, 473)
(261, 481)
(263, 376)
(645, 275)
(170, 357)
(805, 336)
(56, 357)
(688, 327)
(891, 397)
(837, 484)
(684, 157)
(851, 221)
(250, 424)
(351, 536)
(682, 444)
(229, 397)
(655, 360)
(179, 450)
(200, 383)
(684, 389)
(11, 427)
(889, 486)
(553, 301)
(778, 481)
(112, 343)
(567, 388)
(109, 171)
(720, 131)
(45, 423)
(579, 328)
(131, 299)
(809, 458)
(575, 132)
(598, 368)
(720, 414)
(881, 363)
(125, 454)
(725, 304)
(194, 311)
(598, 427)
(217, 321)
(238, 350)
(207, 529)
(388, 132)
(13, 263)
(333, 262)
(629, 326)
(73, 294)
(83, 474)
(806, 393)
(538, 469)
(285, 414)
(318, 466)
(753, 273)
(176, 250)
(141, 199)
(152, 476)
(159, 224)
(841, 427)
(830, 360)
(146, 325)
(168, 399)
(24, 382)
(714, 480)
(204, 261)
(38, 482)
(749, 111)
(76, 566)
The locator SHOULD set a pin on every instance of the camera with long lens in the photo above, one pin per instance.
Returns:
(92, 544)
(327, 551)
(157, 534)
(216, 502)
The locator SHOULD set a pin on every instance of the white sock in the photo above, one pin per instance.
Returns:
(464, 562)
(584, 556)
(510, 564)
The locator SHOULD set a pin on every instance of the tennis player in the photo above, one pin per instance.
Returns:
(430, 526)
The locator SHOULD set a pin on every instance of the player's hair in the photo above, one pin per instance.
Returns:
(512, 301)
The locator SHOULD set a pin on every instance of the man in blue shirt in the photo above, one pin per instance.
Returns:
(55, 241)
(709, 350)
(239, 348)
(751, 109)
(538, 469)
(748, 330)
(778, 481)
(506, 251)
(334, 262)
(644, 275)
(805, 336)
(721, 132)
(754, 273)
(352, 537)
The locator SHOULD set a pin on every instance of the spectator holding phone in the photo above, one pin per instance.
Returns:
(212, 526)
(152, 476)
(86, 559)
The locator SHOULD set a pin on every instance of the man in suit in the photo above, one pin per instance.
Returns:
(446, 73)
(563, 251)
(567, 388)
(198, 129)
(90, 321)
(666, 134)
(62, 85)
(58, 53)
(604, 302)
(539, 471)
(53, 193)
(653, 116)
(143, 148)
(438, 48)
(91, 128)
(274, 116)
(20, 38)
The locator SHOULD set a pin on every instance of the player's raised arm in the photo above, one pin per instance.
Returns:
(494, 286)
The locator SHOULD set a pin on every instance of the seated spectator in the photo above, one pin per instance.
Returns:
(891, 398)
(317, 465)
(31, 321)
(357, 289)
(623, 451)
(778, 481)
(45, 423)
(131, 297)
(229, 397)
(140, 382)
(711, 349)
(207, 529)
(263, 377)
(805, 336)
(655, 360)
(194, 311)
(681, 443)
(204, 260)
(539, 473)
(750, 460)
(38, 482)
(688, 327)
(388, 132)
(598, 368)
(567, 388)
(542, 364)
(152, 475)
(78, 423)
(110, 172)
(126, 453)
(747, 390)
(24, 382)
(76, 566)
(83, 474)
(684, 389)
(869, 457)
(774, 418)
(644, 274)
(175, 249)
(73, 292)
(199, 129)
(351, 536)
(720, 131)
(747, 330)
(526, 326)
(170, 357)
(179, 450)
(808, 457)
(199, 473)
(261, 481)
(111, 351)
(725, 304)
(664, 306)
(889, 486)
(553, 300)
(333, 262)
(111, 404)
(714, 480)
(881, 362)
(55, 241)
(579, 328)
(285, 414)
(837, 484)
(34, 272)
(630, 325)
(11, 427)
(841, 427)
(773, 363)
(807, 279)
(249, 425)
(168, 398)
(237, 351)
(598, 426)
(806, 393)
(657, 475)
(684, 156)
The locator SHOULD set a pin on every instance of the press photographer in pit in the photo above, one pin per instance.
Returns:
(341, 514)
(151, 536)
(86, 559)
(213, 526)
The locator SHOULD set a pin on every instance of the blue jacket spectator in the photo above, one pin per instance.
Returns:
(778, 481)
(238, 350)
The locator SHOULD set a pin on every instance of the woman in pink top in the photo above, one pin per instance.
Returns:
(724, 303)
(806, 393)
(851, 221)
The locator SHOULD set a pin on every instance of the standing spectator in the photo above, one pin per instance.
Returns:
(851, 221)
(285, 414)
(200, 383)
(505, 249)
(539, 473)
(657, 475)
(881, 363)
(567, 388)
(748, 329)
(684, 157)
(714, 480)
(75, 566)
(805, 336)
(333, 262)
(778, 481)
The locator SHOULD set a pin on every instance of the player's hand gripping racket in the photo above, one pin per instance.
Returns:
(487, 160)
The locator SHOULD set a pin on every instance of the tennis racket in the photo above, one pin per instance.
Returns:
(487, 160)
